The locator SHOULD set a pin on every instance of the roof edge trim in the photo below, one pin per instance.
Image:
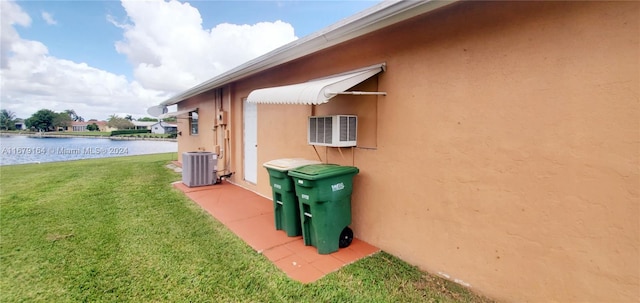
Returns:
(377, 17)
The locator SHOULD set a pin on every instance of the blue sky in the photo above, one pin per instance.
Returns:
(111, 57)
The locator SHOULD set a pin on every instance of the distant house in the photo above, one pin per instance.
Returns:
(164, 128)
(19, 124)
(143, 125)
(77, 126)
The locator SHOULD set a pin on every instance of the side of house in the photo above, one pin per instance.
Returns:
(19, 124)
(504, 155)
(81, 126)
(143, 124)
(164, 128)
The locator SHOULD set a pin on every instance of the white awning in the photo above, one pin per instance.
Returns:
(316, 91)
(178, 113)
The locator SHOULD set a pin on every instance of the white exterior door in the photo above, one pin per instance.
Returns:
(250, 131)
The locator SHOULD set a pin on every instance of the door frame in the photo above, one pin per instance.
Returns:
(249, 161)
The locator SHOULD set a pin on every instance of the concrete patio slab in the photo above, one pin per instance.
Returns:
(250, 217)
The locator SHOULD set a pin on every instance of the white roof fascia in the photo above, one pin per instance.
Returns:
(382, 15)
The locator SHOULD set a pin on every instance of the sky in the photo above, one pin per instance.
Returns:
(103, 58)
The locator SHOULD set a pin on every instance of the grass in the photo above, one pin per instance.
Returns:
(148, 135)
(94, 134)
(87, 133)
(108, 134)
(113, 230)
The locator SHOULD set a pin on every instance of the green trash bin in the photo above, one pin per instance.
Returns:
(286, 208)
(324, 193)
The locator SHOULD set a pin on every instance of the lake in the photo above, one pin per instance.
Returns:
(22, 149)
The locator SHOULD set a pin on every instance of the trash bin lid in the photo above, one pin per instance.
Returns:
(321, 171)
(288, 163)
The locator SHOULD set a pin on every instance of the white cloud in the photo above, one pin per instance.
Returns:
(32, 79)
(11, 14)
(164, 41)
(49, 18)
(170, 50)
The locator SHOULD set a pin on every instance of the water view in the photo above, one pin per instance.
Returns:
(23, 149)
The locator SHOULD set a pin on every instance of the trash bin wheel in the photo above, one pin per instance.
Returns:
(346, 236)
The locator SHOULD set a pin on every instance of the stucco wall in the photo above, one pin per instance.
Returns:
(506, 151)
(211, 135)
(523, 174)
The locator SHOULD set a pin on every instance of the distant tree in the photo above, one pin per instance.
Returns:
(93, 127)
(72, 114)
(170, 119)
(119, 123)
(129, 117)
(7, 120)
(41, 120)
(148, 119)
(61, 120)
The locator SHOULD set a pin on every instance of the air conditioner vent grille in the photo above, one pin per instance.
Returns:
(337, 131)
(313, 130)
(347, 128)
(328, 129)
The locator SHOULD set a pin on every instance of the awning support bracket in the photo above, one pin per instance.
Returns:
(358, 93)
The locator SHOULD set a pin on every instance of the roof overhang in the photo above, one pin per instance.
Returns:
(316, 91)
(178, 113)
(377, 17)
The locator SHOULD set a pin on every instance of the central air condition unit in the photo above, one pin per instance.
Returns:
(333, 131)
(199, 168)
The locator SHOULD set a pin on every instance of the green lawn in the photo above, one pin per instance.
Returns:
(95, 134)
(114, 230)
(87, 133)
(108, 134)
(148, 135)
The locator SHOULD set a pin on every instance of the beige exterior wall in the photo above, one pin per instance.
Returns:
(505, 155)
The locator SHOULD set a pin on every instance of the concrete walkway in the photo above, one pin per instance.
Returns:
(251, 217)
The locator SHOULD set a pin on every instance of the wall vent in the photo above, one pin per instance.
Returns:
(333, 131)
(199, 168)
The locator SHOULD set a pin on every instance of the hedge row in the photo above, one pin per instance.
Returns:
(130, 131)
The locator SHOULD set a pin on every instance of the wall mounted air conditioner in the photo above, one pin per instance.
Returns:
(199, 168)
(333, 131)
